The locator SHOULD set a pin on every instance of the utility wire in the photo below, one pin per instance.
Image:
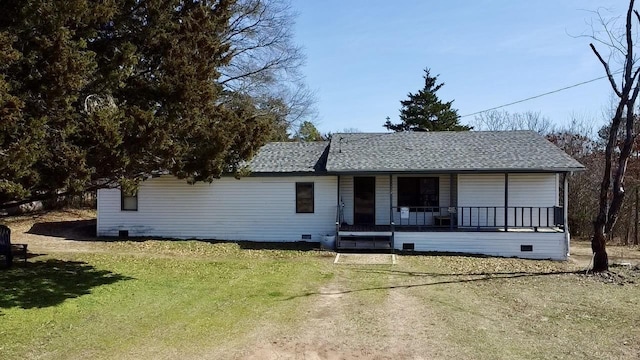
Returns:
(541, 95)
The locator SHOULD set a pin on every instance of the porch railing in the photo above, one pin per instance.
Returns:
(479, 217)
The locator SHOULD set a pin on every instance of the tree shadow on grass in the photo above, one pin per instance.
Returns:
(85, 230)
(69, 230)
(453, 278)
(48, 283)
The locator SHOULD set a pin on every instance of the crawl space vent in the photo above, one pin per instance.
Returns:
(526, 247)
(306, 236)
(123, 233)
(408, 246)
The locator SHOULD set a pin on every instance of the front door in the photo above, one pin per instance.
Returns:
(364, 202)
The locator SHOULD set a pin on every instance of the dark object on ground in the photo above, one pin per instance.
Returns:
(7, 249)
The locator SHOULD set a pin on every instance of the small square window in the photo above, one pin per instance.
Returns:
(304, 197)
(129, 202)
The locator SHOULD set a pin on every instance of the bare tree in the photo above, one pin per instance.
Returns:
(496, 120)
(577, 140)
(266, 62)
(620, 46)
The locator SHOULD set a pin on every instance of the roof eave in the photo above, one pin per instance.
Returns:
(456, 171)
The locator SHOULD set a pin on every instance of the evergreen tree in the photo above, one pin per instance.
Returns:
(308, 132)
(424, 111)
(96, 93)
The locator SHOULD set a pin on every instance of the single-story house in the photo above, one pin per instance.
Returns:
(501, 193)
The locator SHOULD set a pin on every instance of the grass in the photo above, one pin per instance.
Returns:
(191, 299)
(526, 309)
(125, 305)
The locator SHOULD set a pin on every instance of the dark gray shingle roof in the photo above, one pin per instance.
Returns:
(290, 157)
(446, 151)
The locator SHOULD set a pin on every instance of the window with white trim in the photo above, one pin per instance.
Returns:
(129, 201)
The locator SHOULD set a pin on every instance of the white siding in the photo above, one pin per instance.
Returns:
(480, 190)
(546, 245)
(525, 190)
(346, 198)
(252, 208)
(532, 190)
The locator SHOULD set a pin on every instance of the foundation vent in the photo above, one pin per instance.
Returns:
(306, 236)
(526, 247)
(408, 246)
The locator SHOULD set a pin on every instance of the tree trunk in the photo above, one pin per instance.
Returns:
(635, 237)
(600, 257)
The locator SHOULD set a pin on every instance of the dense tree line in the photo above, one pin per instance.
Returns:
(104, 93)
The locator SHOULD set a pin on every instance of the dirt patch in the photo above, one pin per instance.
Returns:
(56, 231)
(416, 333)
(327, 333)
(344, 324)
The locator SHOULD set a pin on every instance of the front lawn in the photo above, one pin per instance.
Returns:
(81, 297)
(148, 303)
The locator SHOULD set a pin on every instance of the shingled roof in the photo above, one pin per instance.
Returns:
(446, 151)
(290, 157)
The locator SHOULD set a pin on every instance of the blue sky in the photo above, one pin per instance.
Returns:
(363, 57)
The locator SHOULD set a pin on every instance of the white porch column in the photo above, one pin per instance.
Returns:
(565, 205)
(506, 202)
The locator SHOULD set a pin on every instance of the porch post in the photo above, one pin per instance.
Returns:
(565, 205)
(565, 202)
(390, 199)
(506, 201)
(338, 211)
(451, 202)
(393, 225)
(391, 212)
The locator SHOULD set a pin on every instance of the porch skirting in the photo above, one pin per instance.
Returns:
(528, 245)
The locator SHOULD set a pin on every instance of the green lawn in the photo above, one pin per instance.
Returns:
(102, 305)
(189, 299)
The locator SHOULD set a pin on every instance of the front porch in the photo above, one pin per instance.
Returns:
(374, 212)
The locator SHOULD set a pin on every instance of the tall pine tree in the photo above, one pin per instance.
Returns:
(424, 111)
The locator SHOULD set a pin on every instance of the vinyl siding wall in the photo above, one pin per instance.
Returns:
(546, 245)
(252, 208)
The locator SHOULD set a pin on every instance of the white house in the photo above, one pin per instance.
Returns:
(493, 193)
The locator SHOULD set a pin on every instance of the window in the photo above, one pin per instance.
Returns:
(304, 197)
(418, 192)
(129, 202)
